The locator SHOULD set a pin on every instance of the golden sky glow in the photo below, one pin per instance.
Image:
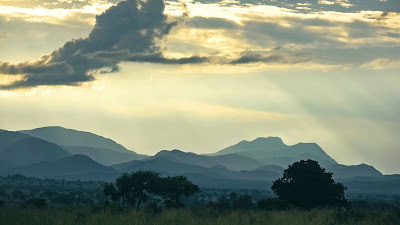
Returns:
(328, 74)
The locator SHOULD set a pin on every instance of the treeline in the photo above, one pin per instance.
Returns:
(304, 184)
(18, 190)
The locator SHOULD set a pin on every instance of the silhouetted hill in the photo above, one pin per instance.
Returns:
(76, 167)
(274, 168)
(8, 138)
(102, 155)
(204, 176)
(272, 151)
(70, 137)
(17, 149)
(362, 170)
(231, 161)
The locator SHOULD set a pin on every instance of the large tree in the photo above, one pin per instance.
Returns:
(306, 184)
(172, 188)
(134, 188)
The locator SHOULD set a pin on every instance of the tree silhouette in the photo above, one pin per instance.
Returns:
(306, 184)
(244, 202)
(134, 188)
(233, 198)
(36, 202)
(172, 188)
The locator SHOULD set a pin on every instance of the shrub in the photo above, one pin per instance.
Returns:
(37, 202)
(274, 204)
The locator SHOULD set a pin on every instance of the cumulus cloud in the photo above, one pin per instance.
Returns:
(130, 31)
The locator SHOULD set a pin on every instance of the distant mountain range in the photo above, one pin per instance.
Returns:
(60, 153)
(272, 151)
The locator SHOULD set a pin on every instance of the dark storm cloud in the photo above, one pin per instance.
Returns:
(129, 31)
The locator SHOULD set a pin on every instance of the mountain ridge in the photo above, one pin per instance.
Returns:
(71, 137)
(75, 167)
(247, 164)
(268, 149)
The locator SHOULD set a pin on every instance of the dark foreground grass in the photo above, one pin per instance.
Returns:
(67, 216)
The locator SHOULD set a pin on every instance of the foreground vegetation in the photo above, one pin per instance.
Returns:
(191, 216)
(306, 194)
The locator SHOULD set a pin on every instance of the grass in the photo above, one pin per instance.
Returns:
(76, 216)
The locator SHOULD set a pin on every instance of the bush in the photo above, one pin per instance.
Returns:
(155, 206)
(343, 215)
(222, 203)
(37, 202)
(274, 204)
(244, 202)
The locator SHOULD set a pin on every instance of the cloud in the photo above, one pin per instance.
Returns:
(3, 35)
(130, 31)
(254, 57)
(381, 63)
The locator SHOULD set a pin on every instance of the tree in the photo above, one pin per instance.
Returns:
(244, 202)
(19, 195)
(233, 197)
(306, 184)
(172, 188)
(134, 188)
(223, 203)
(37, 202)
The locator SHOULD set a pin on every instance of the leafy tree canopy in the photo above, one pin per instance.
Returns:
(136, 188)
(306, 184)
(172, 188)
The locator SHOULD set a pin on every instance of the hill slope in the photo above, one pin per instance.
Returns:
(272, 151)
(362, 170)
(17, 149)
(102, 155)
(230, 161)
(72, 168)
(70, 137)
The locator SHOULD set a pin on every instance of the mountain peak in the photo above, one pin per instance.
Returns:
(272, 150)
(272, 140)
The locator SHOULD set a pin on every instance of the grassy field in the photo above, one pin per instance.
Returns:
(69, 216)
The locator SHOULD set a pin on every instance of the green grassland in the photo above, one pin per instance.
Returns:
(191, 216)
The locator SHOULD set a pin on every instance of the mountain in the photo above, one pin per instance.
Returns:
(102, 155)
(230, 161)
(17, 149)
(69, 137)
(274, 168)
(362, 170)
(272, 151)
(76, 167)
(211, 177)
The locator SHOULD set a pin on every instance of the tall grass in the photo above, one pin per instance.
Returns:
(77, 216)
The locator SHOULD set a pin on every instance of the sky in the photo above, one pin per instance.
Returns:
(200, 76)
